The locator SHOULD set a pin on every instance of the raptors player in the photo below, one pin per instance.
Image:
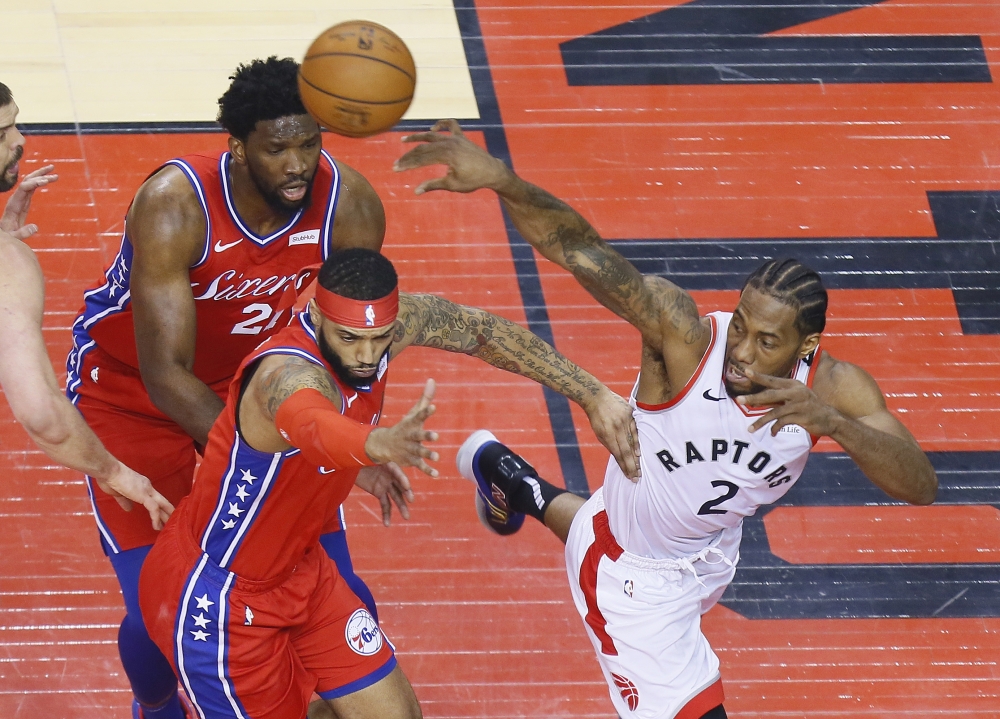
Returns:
(247, 637)
(727, 407)
(209, 266)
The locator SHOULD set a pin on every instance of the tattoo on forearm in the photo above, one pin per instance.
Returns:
(293, 374)
(435, 322)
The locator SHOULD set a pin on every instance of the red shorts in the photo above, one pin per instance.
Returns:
(279, 641)
(114, 402)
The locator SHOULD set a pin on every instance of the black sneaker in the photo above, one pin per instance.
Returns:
(494, 468)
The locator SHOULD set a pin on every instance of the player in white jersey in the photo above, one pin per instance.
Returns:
(727, 407)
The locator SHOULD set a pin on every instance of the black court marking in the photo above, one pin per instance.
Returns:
(964, 257)
(528, 281)
(767, 587)
(723, 42)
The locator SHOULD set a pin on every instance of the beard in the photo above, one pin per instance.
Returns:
(274, 199)
(8, 181)
(339, 368)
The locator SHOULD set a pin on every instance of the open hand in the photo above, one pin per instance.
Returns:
(792, 402)
(403, 443)
(611, 419)
(469, 166)
(387, 483)
(128, 486)
(16, 213)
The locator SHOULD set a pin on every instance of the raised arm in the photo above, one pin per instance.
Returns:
(34, 394)
(431, 321)
(167, 230)
(659, 309)
(847, 405)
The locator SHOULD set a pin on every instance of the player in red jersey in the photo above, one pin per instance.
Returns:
(247, 636)
(210, 263)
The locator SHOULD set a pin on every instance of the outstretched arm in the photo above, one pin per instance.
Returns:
(659, 309)
(431, 321)
(848, 406)
(34, 395)
(291, 402)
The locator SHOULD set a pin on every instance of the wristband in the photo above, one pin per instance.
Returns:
(311, 422)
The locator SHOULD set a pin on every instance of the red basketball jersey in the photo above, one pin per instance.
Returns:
(244, 285)
(256, 513)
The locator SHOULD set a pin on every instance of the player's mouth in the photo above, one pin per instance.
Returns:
(294, 193)
(364, 372)
(734, 375)
(12, 169)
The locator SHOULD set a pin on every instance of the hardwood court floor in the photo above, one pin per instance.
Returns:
(846, 605)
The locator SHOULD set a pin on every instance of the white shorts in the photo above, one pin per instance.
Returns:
(644, 617)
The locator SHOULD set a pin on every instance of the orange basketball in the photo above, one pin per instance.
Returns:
(357, 78)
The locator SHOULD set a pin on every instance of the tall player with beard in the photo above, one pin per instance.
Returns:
(209, 266)
(727, 407)
(235, 591)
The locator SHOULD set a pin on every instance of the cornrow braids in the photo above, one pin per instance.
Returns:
(261, 90)
(358, 274)
(794, 284)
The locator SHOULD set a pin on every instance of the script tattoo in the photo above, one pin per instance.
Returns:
(291, 375)
(431, 321)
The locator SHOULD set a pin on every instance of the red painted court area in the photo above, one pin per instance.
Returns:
(484, 626)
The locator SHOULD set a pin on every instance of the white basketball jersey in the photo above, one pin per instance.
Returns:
(702, 470)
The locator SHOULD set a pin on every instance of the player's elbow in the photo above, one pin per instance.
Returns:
(44, 419)
(928, 489)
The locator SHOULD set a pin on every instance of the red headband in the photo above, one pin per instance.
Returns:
(360, 314)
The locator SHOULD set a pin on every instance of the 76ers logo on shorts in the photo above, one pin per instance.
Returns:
(629, 693)
(363, 634)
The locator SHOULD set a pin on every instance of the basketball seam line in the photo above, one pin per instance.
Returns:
(353, 99)
(355, 54)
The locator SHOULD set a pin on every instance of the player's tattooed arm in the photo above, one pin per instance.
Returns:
(280, 376)
(431, 321)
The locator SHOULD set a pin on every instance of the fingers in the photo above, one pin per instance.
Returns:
(426, 468)
(441, 183)
(40, 172)
(765, 398)
(449, 125)
(386, 510)
(124, 502)
(24, 232)
(767, 380)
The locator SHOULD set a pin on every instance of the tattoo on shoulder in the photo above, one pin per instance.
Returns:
(288, 377)
(682, 312)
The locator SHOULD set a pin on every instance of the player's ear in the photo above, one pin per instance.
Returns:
(808, 344)
(238, 150)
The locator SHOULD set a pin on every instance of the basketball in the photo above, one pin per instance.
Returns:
(357, 78)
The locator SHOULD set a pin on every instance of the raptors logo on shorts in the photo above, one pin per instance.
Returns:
(629, 693)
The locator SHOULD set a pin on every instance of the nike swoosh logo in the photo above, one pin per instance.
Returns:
(219, 247)
(714, 399)
(324, 470)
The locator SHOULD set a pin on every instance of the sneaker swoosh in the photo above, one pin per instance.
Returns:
(219, 247)
(714, 399)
